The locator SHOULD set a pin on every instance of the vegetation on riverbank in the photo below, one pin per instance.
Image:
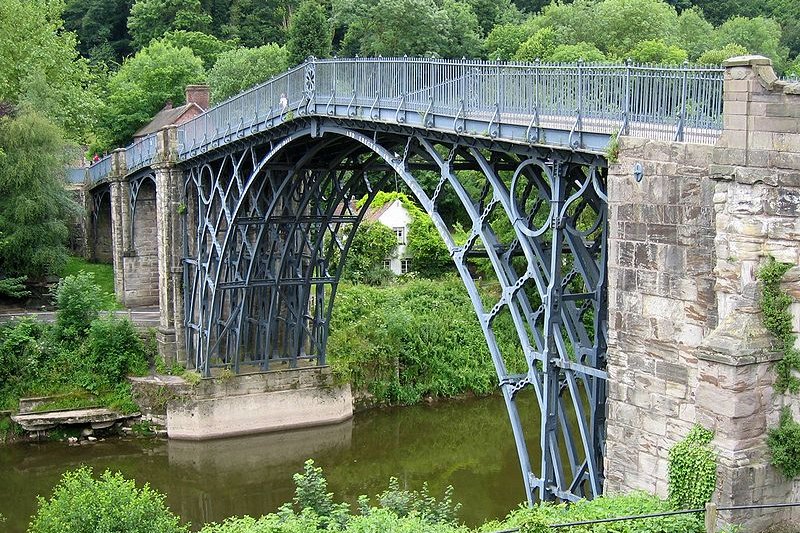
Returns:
(83, 357)
(415, 339)
(82, 503)
(103, 277)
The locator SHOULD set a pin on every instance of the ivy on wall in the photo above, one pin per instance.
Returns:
(692, 470)
(784, 440)
(778, 321)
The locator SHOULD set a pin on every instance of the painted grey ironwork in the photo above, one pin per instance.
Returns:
(273, 174)
(76, 175)
(575, 105)
(141, 153)
(269, 224)
(100, 169)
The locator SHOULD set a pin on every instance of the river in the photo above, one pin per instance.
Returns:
(466, 443)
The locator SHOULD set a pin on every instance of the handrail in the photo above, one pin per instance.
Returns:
(682, 103)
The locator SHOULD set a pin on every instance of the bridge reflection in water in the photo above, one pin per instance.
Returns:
(464, 443)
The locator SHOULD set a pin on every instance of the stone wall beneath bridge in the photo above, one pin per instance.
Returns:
(661, 303)
(140, 263)
(686, 343)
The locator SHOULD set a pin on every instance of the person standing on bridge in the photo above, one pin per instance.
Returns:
(284, 103)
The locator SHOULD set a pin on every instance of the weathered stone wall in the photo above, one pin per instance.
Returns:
(686, 343)
(140, 263)
(100, 235)
(756, 166)
(254, 403)
(661, 304)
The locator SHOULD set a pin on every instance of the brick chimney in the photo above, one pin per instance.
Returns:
(197, 94)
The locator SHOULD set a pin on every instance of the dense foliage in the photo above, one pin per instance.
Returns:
(144, 83)
(784, 444)
(778, 321)
(372, 243)
(692, 470)
(83, 356)
(34, 206)
(414, 339)
(241, 68)
(81, 503)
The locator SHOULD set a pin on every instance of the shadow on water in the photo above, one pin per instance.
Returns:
(466, 443)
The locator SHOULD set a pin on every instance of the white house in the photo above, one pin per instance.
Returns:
(395, 216)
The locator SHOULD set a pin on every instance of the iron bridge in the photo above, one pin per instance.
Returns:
(270, 183)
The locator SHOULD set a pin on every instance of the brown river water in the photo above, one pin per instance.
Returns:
(465, 443)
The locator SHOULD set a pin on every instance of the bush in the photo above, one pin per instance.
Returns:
(114, 349)
(78, 299)
(692, 470)
(81, 503)
(419, 338)
(21, 353)
(417, 503)
(784, 445)
(538, 518)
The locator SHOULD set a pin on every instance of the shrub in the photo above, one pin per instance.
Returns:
(81, 503)
(692, 470)
(78, 299)
(114, 349)
(784, 445)
(538, 518)
(418, 503)
(21, 353)
(311, 494)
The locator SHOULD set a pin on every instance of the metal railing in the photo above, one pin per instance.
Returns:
(141, 153)
(100, 170)
(669, 103)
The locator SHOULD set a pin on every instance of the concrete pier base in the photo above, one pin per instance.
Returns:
(259, 402)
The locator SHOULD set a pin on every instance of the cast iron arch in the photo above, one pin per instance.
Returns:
(268, 227)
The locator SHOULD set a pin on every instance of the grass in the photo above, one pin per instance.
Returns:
(103, 276)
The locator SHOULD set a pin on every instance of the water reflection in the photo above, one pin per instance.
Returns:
(467, 444)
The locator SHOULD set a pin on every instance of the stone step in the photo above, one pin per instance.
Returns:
(97, 418)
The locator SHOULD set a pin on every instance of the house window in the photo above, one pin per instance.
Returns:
(401, 235)
(405, 266)
(387, 264)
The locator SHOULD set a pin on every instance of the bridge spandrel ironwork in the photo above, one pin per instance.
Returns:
(272, 177)
(269, 225)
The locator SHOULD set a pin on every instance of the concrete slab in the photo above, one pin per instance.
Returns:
(99, 416)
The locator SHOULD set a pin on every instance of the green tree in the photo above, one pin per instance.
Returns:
(372, 243)
(787, 13)
(658, 52)
(718, 55)
(310, 32)
(81, 503)
(695, 33)
(101, 27)
(34, 206)
(493, 12)
(622, 24)
(240, 69)
(39, 62)
(396, 28)
(258, 22)
(570, 53)
(430, 255)
(573, 23)
(505, 39)
(206, 47)
(758, 35)
(78, 299)
(151, 19)
(156, 74)
(462, 36)
(540, 46)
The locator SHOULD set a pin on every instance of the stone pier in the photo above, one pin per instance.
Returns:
(686, 344)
